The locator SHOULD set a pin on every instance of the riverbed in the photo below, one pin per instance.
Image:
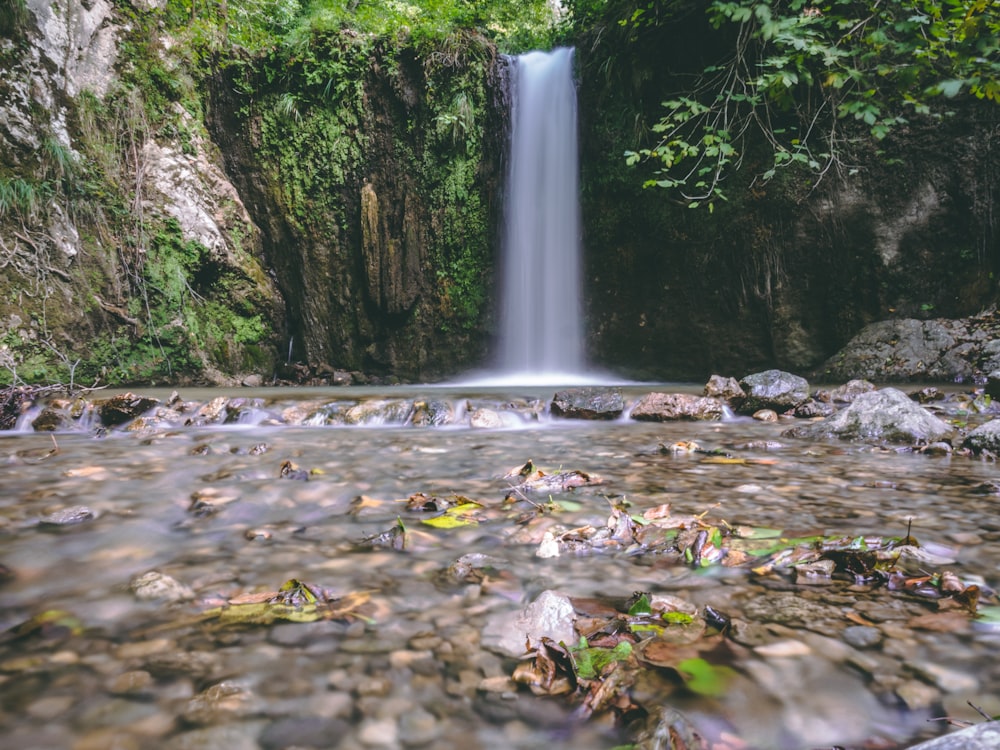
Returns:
(235, 510)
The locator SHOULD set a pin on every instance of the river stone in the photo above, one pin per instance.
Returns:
(850, 390)
(551, 615)
(887, 415)
(302, 731)
(862, 636)
(52, 420)
(814, 408)
(725, 389)
(773, 389)
(984, 736)
(790, 609)
(485, 419)
(432, 413)
(123, 408)
(235, 736)
(379, 412)
(67, 516)
(219, 703)
(986, 437)
(666, 407)
(588, 403)
(156, 585)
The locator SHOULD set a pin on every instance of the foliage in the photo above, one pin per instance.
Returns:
(14, 18)
(798, 72)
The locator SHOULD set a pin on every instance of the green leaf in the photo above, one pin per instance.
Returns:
(640, 607)
(591, 662)
(703, 678)
(950, 88)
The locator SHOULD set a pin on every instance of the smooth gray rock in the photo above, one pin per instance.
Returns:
(887, 415)
(773, 389)
(986, 437)
(588, 403)
(985, 736)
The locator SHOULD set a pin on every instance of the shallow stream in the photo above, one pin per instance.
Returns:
(419, 669)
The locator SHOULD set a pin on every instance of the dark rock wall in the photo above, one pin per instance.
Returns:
(783, 274)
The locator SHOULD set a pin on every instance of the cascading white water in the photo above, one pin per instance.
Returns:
(541, 334)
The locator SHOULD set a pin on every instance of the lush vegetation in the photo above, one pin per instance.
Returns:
(799, 75)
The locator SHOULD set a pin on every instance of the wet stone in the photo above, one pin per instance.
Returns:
(588, 403)
(862, 636)
(135, 683)
(302, 732)
(197, 665)
(789, 609)
(945, 678)
(222, 702)
(67, 517)
(379, 733)
(158, 586)
(241, 736)
(917, 695)
(418, 728)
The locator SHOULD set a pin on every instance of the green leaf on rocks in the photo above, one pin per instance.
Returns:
(591, 661)
(455, 517)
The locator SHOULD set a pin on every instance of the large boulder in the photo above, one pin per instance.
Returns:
(773, 389)
(887, 415)
(588, 403)
(964, 349)
(986, 437)
(667, 407)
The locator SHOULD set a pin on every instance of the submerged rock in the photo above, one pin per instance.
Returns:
(588, 403)
(666, 407)
(887, 415)
(773, 389)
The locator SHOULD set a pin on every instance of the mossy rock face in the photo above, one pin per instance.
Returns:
(377, 198)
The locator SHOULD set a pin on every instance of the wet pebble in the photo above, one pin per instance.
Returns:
(917, 695)
(198, 665)
(158, 586)
(241, 736)
(67, 517)
(946, 679)
(862, 636)
(379, 733)
(418, 728)
(136, 683)
(302, 731)
(221, 702)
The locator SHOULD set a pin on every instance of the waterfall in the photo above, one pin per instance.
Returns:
(541, 333)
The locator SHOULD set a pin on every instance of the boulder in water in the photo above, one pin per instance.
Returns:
(887, 415)
(986, 437)
(773, 389)
(668, 407)
(588, 403)
(124, 408)
(726, 389)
